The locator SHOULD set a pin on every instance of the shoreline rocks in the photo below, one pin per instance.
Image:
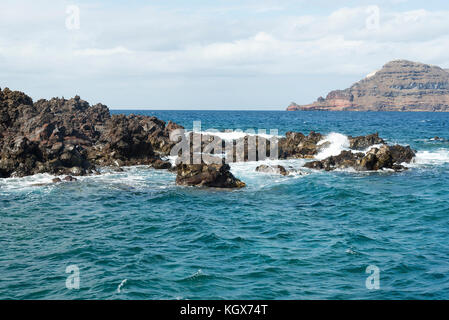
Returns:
(70, 137)
(73, 138)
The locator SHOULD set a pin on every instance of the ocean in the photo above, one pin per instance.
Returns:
(136, 235)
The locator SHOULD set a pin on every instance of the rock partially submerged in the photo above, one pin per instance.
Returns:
(436, 138)
(281, 170)
(277, 169)
(161, 164)
(66, 178)
(204, 175)
(385, 157)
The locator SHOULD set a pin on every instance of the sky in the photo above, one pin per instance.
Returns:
(223, 54)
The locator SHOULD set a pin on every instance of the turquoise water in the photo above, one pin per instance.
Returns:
(295, 237)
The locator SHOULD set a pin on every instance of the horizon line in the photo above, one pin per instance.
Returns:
(196, 109)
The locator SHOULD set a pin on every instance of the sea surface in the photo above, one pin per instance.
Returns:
(136, 235)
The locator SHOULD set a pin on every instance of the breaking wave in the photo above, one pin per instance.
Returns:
(437, 157)
(337, 142)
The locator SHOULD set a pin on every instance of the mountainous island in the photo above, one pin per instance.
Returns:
(400, 85)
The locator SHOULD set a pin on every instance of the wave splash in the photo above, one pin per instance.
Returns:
(337, 142)
(437, 157)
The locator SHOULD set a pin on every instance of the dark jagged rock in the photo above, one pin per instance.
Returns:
(56, 180)
(363, 142)
(277, 169)
(385, 157)
(70, 179)
(401, 154)
(207, 175)
(71, 137)
(345, 159)
(297, 145)
(124, 141)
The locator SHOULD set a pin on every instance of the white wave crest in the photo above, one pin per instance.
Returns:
(437, 157)
(132, 177)
(120, 286)
(337, 143)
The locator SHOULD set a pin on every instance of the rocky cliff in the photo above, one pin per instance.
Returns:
(399, 86)
(62, 136)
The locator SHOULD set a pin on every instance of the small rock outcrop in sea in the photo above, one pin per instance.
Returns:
(385, 157)
(400, 85)
(436, 138)
(71, 137)
(293, 107)
(277, 169)
(70, 179)
(160, 164)
(207, 175)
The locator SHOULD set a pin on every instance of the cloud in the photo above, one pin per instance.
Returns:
(183, 50)
(102, 52)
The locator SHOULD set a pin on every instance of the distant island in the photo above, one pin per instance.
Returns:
(400, 85)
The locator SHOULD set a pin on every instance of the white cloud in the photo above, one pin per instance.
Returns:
(148, 45)
(102, 52)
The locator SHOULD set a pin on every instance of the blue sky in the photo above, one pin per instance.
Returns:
(211, 54)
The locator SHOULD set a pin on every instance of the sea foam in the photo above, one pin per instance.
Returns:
(337, 143)
(437, 157)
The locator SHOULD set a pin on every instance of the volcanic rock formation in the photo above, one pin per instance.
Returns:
(71, 137)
